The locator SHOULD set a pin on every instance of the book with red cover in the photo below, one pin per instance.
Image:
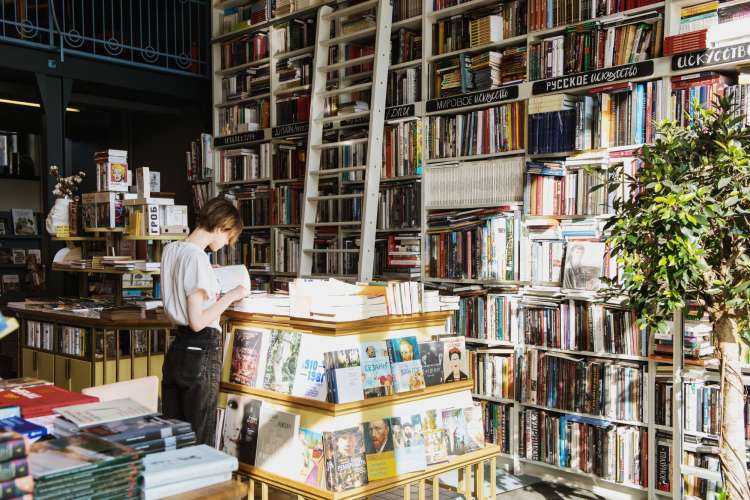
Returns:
(685, 42)
(39, 401)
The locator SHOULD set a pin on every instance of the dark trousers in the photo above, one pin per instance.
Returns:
(190, 380)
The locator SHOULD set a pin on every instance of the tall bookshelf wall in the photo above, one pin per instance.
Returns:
(446, 180)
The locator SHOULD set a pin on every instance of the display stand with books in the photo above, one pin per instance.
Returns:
(331, 410)
(75, 348)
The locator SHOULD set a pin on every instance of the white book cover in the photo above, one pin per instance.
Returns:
(277, 449)
(232, 276)
(103, 412)
(191, 462)
(183, 486)
(310, 381)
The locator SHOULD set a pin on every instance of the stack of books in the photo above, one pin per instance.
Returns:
(83, 466)
(40, 400)
(15, 477)
(485, 30)
(177, 471)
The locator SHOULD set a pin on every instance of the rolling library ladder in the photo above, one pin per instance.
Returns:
(319, 120)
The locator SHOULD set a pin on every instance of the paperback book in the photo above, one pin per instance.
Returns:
(376, 369)
(381, 461)
(344, 376)
(408, 444)
(432, 362)
(277, 439)
(310, 379)
(246, 356)
(345, 459)
(435, 439)
(312, 469)
(405, 364)
(455, 362)
(241, 426)
(281, 366)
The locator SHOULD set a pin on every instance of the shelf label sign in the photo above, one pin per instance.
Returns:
(711, 57)
(474, 99)
(595, 77)
(291, 129)
(396, 112)
(230, 140)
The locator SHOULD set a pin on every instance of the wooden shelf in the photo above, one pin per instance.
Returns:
(104, 229)
(160, 237)
(587, 415)
(336, 410)
(382, 324)
(308, 491)
(79, 238)
(581, 473)
(58, 267)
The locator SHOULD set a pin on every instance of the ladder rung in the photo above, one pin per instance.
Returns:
(344, 90)
(346, 116)
(331, 250)
(332, 171)
(347, 63)
(335, 224)
(350, 196)
(369, 4)
(349, 142)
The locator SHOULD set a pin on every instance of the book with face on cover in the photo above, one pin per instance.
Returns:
(376, 368)
(455, 360)
(310, 379)
(432, 362)
(380, 458)
(345, 459)
(281, 363)
(408, 442)
(406, 366)
(248, 356)
(278, 446)
(241, 424)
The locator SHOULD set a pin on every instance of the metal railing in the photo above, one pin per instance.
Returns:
(165, 35)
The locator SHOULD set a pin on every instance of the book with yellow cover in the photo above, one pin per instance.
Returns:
(379, 454)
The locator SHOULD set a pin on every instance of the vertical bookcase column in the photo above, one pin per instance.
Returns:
(677, 403)
(216, 93)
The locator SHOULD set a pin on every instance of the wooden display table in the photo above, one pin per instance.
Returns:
(323, 416)
(102, 351)
(229, 490)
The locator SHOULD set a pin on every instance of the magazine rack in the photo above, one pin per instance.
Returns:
(323, 416)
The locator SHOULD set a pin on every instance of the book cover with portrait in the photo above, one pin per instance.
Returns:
(408, 443)
(345, 461)
(381, 460)
(455, 360)
(376, 369)
(406, 365)
(246, 356)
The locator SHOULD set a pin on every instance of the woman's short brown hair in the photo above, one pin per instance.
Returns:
(220, 213)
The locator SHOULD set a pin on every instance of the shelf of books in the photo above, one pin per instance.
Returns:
(501, 118)
(351, 409)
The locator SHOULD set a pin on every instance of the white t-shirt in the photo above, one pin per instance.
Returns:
(185, 268)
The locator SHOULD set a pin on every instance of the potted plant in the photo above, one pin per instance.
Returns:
(683, 236)
(65, 189)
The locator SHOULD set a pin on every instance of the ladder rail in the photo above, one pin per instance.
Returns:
(375, 146)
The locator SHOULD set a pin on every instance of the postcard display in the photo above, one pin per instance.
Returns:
(377, 437)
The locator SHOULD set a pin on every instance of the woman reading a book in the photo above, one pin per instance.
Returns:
(190, 292)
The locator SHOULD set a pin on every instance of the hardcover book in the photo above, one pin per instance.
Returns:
(12, 469)
(584, 261)
(12, 445)
(140, 429)
(281, 365)
(310, 379)
(408, 443)
(455, 362)
(381, 461)
(406, 366)
(432, 362)
(103, 412)
(247, 353)
(454, 424)
(240, 434)
(23, 427)
(435, 441)
(174, 466)
(345, 459)
(312, 470)
(277, 441)
(39, 401)
(474, 427)
(376, 368)
(344, 376)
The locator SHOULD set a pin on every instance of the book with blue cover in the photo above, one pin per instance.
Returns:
(408, 444)
(406, 366)
(24, 427)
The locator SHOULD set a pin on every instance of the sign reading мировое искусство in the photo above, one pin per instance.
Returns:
(501, 94)
(712, 57)
(626, 72)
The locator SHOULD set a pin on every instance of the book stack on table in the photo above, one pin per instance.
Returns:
(15, 479)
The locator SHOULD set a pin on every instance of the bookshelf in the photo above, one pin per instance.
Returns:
(448, 181)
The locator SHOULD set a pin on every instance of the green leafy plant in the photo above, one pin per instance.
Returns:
(683, 236)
